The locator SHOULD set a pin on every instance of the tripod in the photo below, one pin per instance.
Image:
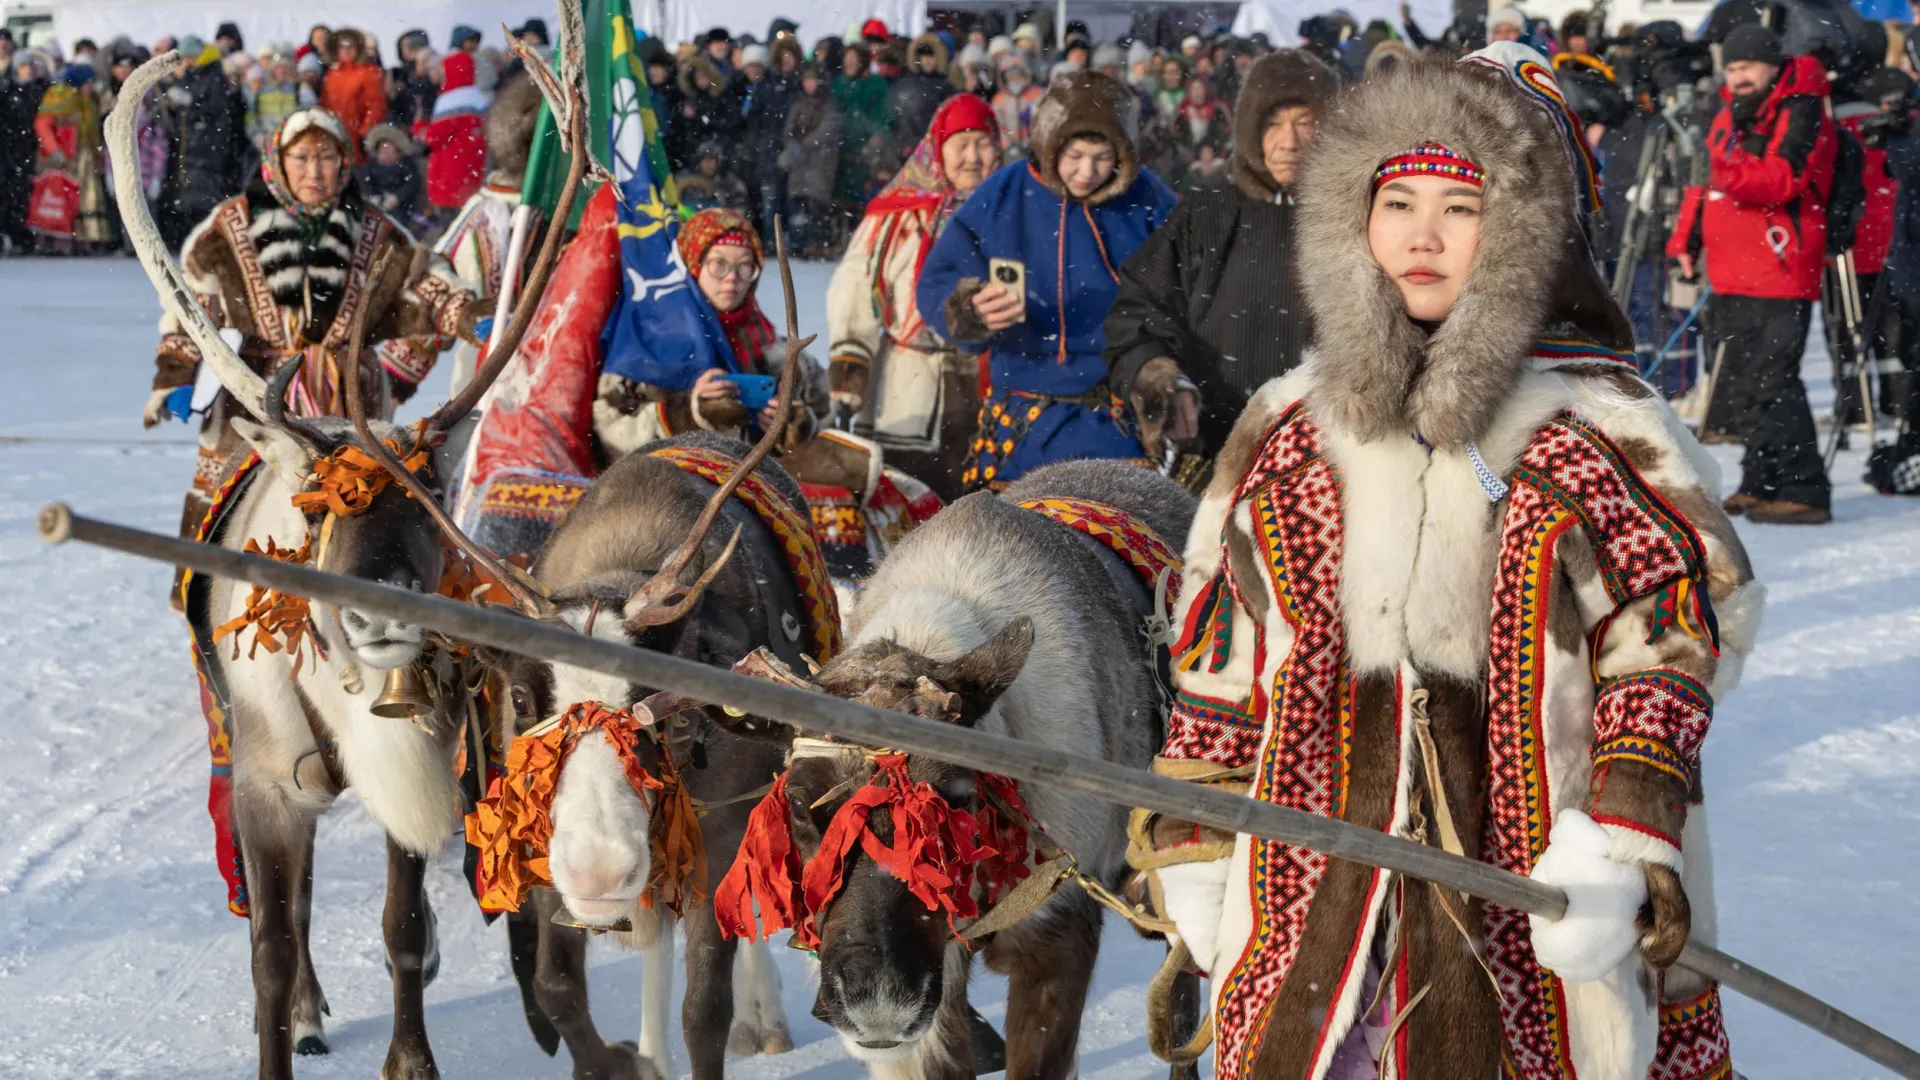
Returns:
(1857, 330)
(1669, 163)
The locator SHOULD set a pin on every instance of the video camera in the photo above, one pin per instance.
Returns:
(1664, 59)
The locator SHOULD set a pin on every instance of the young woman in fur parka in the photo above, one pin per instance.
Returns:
(287, 266)
(1027, 270)
(1455, 578)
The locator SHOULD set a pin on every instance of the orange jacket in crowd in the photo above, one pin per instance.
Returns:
(357, 94)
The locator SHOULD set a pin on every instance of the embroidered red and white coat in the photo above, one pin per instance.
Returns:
(1334, 587)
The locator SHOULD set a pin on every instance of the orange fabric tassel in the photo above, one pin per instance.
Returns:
(279, 621)
(349, 479)
(513, 826)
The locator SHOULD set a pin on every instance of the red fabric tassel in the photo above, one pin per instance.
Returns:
(767, 869)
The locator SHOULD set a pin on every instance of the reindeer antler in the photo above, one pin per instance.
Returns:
(529, 601)
(663, 599)
(501, 353)
(249, 389)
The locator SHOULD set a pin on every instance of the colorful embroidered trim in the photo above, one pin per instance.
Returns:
(1568, 351)
(534, 497)
(1205, 729)
(1128, 537)
(1430, 159)
(1693, 1041)
(1683, 603)
(792, 527)
(1664, 708)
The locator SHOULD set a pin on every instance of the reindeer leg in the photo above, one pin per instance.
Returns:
(1185, 1002)
(708, 1011)
(309, 1001)
(406, 925)
(1048, 961)
(656, 996)
(560, 989)
(272, 839)
(759, 1018)
(523, 951)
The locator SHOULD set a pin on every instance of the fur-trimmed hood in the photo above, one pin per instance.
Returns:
(510, 123)
(1376, 373)
(1285, 77)
(703, 64)
(1084, 103)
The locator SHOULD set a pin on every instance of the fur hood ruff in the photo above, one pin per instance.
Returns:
(1084, 103)
(1376, 373)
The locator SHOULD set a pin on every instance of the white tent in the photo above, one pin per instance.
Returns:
(1280, 19)
(264, 22)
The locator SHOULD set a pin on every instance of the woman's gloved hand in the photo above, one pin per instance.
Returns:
(1602, 924)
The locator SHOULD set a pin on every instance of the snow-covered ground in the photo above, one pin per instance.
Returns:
(118, 958)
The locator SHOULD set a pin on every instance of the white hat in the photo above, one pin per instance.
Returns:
(1026, 30)
(1507, 15)
(1000, 43)
(754, 54)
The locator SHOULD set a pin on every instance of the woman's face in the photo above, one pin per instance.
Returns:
(347, 52)
(1197, 92)
(850, 64)
(967, 157)
(317, 37)
(1086, 164)
(313, 167)
(1170, 76)
(1423, 231)
(727, 275)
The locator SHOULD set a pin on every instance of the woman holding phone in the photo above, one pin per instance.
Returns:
(724, 257)
(1026, 271)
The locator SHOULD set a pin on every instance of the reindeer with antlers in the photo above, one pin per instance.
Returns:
(701, 547)
(297, 709)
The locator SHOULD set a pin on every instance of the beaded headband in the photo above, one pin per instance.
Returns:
(1430, 159)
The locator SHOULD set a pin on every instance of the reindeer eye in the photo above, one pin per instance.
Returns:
(522, 702)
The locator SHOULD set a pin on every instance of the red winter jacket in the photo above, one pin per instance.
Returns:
(456, 138)
(1874, 238)
(1762, 220)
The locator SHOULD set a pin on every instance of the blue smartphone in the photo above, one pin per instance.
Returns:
(756, 391)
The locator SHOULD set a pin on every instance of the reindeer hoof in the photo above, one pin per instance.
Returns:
(744, 1039)
(776, 1040)
(312, 1046)
(623, 1062)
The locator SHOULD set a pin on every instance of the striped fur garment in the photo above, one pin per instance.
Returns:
(298, 270)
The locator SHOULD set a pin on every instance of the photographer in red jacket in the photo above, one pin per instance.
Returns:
(1761, 225)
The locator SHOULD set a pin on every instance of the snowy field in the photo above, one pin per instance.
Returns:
(118, 957)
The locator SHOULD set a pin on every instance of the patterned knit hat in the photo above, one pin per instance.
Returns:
(713, 228)
(273, 171)
(1430, 159)
(1532, 75)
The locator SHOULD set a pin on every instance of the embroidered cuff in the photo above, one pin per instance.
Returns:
(175, 361)
(1659, 717)
(407, 359)
(1203, 729)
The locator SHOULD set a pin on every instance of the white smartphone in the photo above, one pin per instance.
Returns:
(1010, 274)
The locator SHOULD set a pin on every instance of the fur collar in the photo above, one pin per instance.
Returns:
(304, 272)
(1377, 373)
(1084, 103)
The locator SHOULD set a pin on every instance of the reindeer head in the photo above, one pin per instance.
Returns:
(881, 949)
(599, 853)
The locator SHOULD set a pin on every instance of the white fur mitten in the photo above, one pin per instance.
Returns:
(1195, 893)
(1604, 897)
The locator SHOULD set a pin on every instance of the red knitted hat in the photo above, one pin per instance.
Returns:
(962, 112)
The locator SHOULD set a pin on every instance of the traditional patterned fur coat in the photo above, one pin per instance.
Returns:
(286, 293)
(1450, 587)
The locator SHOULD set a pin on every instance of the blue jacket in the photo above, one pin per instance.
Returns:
(1012, 215)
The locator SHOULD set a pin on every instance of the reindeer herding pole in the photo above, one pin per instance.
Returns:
(1015, 758)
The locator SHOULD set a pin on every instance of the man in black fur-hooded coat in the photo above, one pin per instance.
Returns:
(288, 274)
(1212, 296)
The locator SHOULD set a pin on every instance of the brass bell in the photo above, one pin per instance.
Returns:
(404, 697)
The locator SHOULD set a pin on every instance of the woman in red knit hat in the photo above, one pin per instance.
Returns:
(925, 392)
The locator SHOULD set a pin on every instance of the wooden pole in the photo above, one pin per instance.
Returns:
(1021, 760)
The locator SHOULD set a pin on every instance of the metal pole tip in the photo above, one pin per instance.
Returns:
(56, 523)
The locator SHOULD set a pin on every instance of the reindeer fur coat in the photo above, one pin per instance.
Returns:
(1499, 534)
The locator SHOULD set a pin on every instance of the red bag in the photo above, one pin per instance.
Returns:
(54, 204)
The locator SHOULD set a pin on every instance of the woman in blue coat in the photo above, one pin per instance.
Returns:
(1026, 271)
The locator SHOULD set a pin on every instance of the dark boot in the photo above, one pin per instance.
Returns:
(1739, 503)
(1782, 512)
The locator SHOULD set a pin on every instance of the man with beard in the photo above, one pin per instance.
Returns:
(1212, 297)
(1761, 224)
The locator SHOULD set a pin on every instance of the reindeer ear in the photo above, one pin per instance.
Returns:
(981, 676)
(284, 453)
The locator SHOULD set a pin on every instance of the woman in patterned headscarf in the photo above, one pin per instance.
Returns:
(287, 265)
(923, 391)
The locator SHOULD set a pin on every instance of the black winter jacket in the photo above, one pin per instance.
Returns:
(1216, 290)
